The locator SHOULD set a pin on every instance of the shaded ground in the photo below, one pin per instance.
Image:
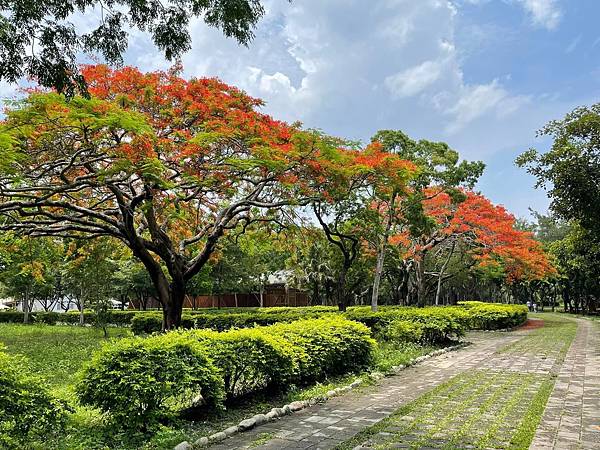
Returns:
(489, 395)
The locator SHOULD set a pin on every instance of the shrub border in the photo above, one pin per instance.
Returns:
(276, 413)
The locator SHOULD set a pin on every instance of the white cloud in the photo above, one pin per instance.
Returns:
(476, 101)
(414, 80)
(544, 13)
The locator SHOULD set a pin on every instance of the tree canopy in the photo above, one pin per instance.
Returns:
(40, 40)
(167, 166)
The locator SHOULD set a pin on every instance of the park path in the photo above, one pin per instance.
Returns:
(486, 373)
(571, 419)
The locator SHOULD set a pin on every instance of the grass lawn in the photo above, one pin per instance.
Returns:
(57, 352)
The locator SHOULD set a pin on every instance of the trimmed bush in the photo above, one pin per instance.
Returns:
(114, 317)
(138, 381)
(11, 317)
(27, 410)
(221, 321)
(495, 316)
(439, 324)
(249, 359)
(399, 331)
(327, 346)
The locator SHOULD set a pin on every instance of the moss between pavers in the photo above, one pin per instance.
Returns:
(479, 409)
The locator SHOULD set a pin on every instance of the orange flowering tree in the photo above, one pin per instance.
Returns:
(435, 164)
(343, 205)
(487, 233)
(163, 164)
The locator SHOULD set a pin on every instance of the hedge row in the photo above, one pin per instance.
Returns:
(495, 316)
(137, 381)
(435, 324)
(205, 317)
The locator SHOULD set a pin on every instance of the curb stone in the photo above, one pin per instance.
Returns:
(276, 413)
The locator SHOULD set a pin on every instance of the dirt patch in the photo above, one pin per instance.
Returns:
(531, 324)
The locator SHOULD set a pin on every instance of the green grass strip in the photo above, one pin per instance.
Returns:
(526, 431)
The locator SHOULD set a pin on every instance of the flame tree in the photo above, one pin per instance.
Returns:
(486, 233)
(165, 165)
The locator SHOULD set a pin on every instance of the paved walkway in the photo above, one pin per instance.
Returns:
(479, 377)
(572, 416)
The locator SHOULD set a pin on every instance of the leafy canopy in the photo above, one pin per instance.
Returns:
(38, 39)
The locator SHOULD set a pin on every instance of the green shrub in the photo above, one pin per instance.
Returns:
(150, 322)
(439, 324)
(494, 316)
(138, 381)
(327, 346)
(146, 323)
(27, 410)
(249, 359)
(399, 331)
(11, 317)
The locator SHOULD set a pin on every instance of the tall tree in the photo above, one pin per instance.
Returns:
(437, 165)
(40, 40)
(487, 233)
(165, 165)
(570, 171)
(345, 201)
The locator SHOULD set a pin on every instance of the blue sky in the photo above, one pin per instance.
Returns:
(482, 75)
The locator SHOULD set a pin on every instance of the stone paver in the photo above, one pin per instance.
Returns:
(572, 416)
(349, 414)
(571, 420)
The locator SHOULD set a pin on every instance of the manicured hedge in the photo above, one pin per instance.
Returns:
(495, 316)
(249, 359)
(150, 322)
(137, 381)
(27, 409)
(436, 324)
(140, 380)
(327, 346)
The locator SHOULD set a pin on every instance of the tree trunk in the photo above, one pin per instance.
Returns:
(341, 288)
(377, 276)
(262, 295)
(381, 255)
(81, 306)
(441, 275)
(420, 280)
(26, 306)
(173, 306)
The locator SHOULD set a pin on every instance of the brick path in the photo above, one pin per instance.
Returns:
(572, 416)
(326, 425)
